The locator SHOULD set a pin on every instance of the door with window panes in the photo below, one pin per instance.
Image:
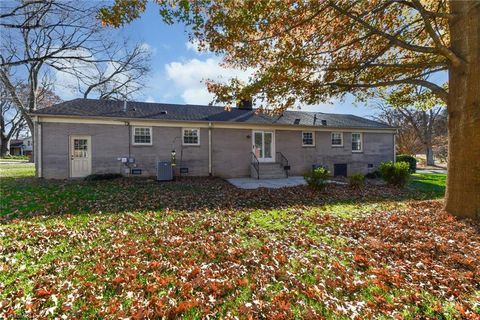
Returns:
(264, 145)
(80, 156)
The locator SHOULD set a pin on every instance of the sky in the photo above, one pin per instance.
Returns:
(178, 69)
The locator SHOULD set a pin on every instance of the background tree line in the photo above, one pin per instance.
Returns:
(43, 39)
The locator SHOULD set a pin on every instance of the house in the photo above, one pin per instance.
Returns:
(85, 136)
(21, 147)
(27, 146)
(16, 147)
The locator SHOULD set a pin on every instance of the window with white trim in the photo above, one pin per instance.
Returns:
(308, 139)
(142, 135)
(337, 139)
(357, 142)
(191, 136)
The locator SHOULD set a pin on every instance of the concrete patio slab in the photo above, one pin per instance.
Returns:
(250, 183)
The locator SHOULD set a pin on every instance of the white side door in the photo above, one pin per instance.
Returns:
(263, 145)
(80, 156)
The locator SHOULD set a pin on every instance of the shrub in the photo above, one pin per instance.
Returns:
(396, 174)
(10, 157)
(356, 180)
(373, 175)
(317, 178)
(103, 176)
(411, 160)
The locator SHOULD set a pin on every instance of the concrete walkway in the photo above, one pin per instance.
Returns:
(250, 183)
(432, 171)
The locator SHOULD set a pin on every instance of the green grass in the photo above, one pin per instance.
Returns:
(18, 170)
(248, 246)
(430, 184)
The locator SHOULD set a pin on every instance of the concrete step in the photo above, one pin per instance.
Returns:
(272, 176)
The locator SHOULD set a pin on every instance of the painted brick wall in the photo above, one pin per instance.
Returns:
(230, 150)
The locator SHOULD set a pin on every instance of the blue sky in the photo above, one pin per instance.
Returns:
(178, 68)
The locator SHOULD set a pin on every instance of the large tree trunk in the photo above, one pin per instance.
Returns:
(429, 155)
(463, 182)
(4, 146)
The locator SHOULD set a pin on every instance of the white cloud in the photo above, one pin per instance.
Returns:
(150, 99)
(188, 78)
(193, 46)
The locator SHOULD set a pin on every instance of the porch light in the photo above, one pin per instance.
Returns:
(173, 157)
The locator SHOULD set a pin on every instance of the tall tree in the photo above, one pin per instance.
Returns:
(309, 51)
(406, 141)
(64, 36)
(11, 121)
(421, 110)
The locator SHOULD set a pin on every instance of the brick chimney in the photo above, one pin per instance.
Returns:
(245, 104)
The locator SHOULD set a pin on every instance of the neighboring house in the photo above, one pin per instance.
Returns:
(16, 147)
(84, 136)
(27, 146)
(21, 147)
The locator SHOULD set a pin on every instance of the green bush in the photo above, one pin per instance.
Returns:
(317, 179)
(356, 180)
(10, 157)
(103, 176)
(396, 174)
(373, 175)
(411, 160)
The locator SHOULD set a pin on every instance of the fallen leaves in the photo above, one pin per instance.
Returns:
(228, 262)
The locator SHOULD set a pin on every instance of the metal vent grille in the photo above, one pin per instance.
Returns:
(164, 171)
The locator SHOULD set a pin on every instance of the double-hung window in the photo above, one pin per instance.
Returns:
(142, 136)
(191, 136)
(308, 139)
(357, 142)
(337, 139)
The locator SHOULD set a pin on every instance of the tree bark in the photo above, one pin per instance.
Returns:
(429, 155)
(4, 147)
(463, 183)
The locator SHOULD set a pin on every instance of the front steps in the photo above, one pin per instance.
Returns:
(270, 170)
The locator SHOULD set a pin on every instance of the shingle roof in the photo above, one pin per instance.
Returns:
(186, 112)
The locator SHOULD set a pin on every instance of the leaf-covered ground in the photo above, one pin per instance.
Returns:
(200, 248)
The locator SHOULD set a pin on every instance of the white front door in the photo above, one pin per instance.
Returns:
(264, 145)
(80, 156)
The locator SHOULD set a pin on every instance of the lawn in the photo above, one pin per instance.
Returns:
(134, 248)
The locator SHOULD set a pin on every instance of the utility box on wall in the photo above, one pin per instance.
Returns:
(164, 171)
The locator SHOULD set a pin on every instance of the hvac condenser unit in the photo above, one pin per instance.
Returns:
(164, 171)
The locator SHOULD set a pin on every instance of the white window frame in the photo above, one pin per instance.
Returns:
(341, 138)
(313, 139)
(142, 143)
(190, 144)
(361, 142)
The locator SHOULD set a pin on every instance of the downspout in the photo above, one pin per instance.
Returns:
(210, 149)
(395, 146)
(39, 149)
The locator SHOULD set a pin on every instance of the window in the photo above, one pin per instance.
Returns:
(357, 142)
(142, 135)
(337, 139)
(308, 139)
(191, 137)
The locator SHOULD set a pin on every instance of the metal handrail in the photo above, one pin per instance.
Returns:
(256, 164)
(283, 162)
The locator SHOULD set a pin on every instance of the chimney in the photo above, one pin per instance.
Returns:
(125, 105)
(245, 104)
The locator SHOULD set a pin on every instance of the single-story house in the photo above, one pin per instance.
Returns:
(21, 147)
(86, 136)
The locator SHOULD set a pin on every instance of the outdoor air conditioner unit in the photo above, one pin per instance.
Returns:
(164, 171)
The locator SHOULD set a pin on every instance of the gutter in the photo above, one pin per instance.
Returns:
(210, 149)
